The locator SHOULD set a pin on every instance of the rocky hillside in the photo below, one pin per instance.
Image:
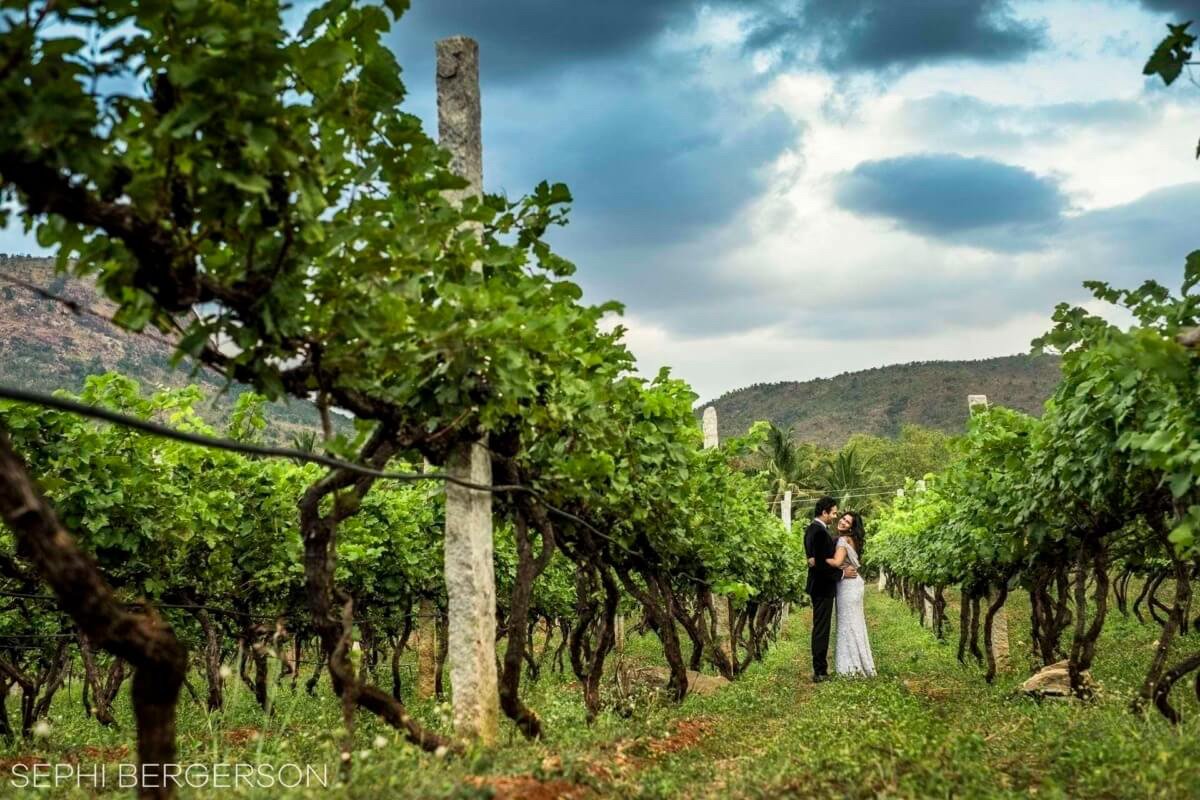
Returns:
(44, 346)
(878, 401)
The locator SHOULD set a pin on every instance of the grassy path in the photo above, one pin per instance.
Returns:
(928, 727)
(925, 727)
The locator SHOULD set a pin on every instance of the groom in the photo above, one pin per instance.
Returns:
(820, 544)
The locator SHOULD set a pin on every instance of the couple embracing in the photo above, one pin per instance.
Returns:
(833, 563)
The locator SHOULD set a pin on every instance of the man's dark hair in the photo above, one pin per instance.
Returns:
(824, 504)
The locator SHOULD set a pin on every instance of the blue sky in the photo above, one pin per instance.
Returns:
(788, 189)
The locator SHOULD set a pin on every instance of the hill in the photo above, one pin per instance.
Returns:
(45, 346)
(878, 401)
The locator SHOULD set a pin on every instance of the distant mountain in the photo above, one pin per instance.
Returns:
(44, 346)
(878, 401)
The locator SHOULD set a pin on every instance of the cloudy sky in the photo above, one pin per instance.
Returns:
(787, 189)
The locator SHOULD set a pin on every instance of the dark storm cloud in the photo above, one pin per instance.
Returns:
(1180, 10)
(1147, 238)
(951, 197)
(580, 93)
(527, 37)
(659, 171)
(524, 37)
(655, 154)
(658, 157)
(880, 34)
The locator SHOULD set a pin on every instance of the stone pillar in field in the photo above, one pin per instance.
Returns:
(785, 516)
(882, 579)
(471, 592)
(929, 616)
(426, 649)
(426, 632)
(470, 576)
(1000, 638)
(712, 438)
(619, 633)
(460, 128)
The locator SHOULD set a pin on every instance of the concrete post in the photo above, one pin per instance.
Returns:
(720, 603)
(785, 516)
(471, 592)
(712, 437)
(460, 127)
(1000, 638)
(426, 649)
(470, 575)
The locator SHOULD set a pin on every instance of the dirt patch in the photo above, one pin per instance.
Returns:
(688, 733)
(527, 787)
(629, 756)
(929, 691)
(105, 754)
(240, 736)
(7, 764)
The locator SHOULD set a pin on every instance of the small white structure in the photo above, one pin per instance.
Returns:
(709, 424)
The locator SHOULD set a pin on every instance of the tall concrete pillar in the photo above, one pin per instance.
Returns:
(470, 575)
(720, 603)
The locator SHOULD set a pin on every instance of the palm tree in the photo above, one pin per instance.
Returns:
(845, 473)
(305, 441)
(785, 466)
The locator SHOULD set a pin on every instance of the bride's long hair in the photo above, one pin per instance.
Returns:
(857, 532)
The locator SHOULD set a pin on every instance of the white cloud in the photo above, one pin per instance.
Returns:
(895, 297)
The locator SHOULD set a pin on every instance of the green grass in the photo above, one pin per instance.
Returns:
(926, 727)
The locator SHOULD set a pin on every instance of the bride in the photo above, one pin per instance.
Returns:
(853, 654)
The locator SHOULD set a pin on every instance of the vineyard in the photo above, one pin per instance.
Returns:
(1096, 497)
(521, 569)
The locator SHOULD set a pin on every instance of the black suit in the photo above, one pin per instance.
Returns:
(822, 588)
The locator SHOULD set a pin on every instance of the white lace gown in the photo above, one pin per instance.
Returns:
(853, 653)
